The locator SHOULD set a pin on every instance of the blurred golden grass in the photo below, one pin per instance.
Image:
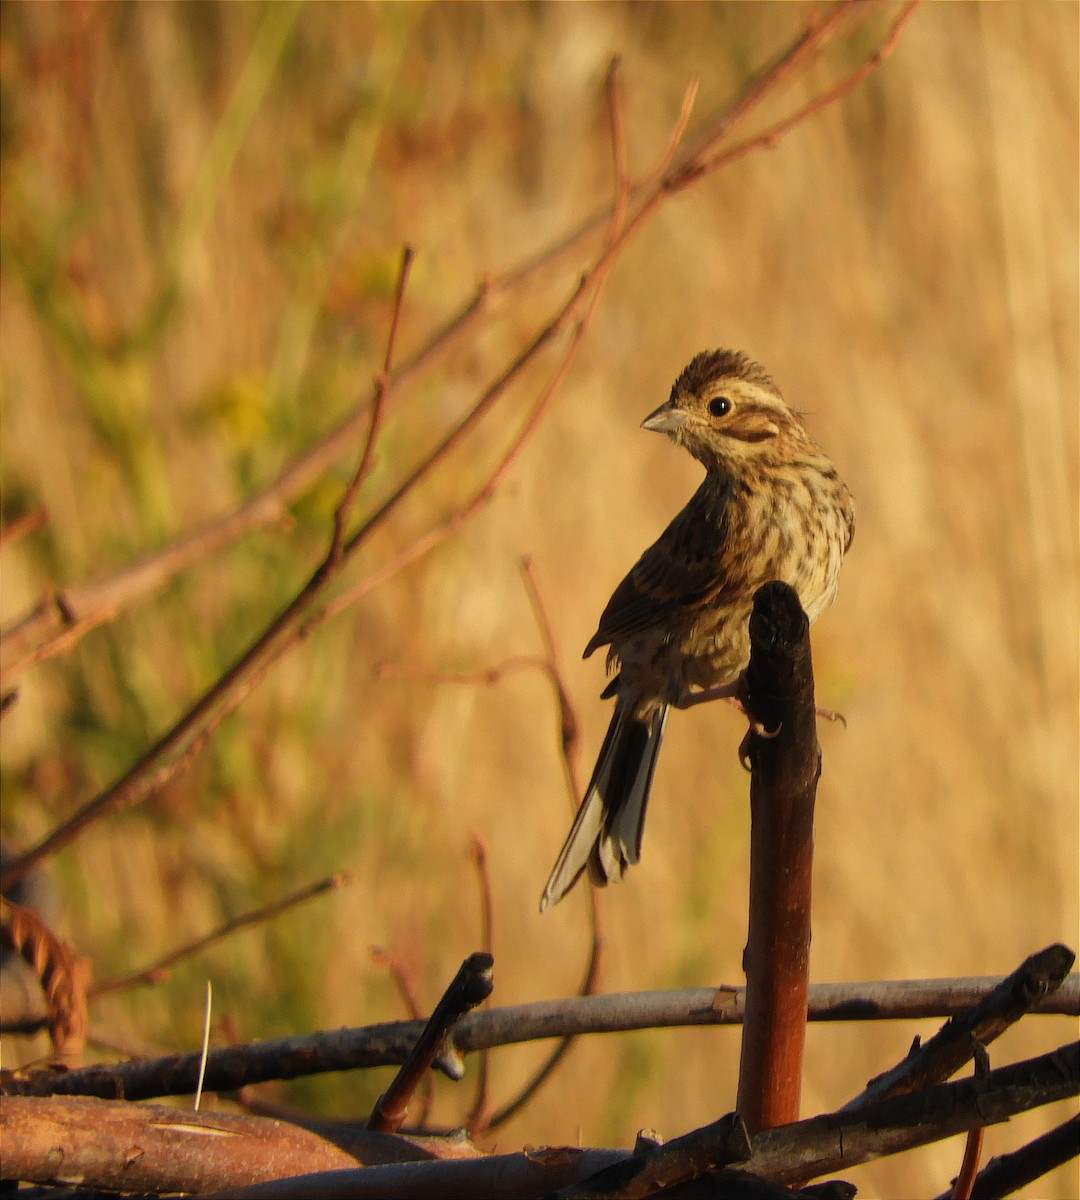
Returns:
(906, 266)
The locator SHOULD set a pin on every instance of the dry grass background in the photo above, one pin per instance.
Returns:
(906, 266)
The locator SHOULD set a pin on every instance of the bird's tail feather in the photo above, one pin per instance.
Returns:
(606, 835)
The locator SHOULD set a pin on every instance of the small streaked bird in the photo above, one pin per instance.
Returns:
(771, 506)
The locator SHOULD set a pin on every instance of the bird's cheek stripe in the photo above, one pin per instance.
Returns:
(752, 435)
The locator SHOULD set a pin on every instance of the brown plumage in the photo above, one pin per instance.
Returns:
(771, 506)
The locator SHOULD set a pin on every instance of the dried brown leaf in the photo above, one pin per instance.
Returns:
(64, 977)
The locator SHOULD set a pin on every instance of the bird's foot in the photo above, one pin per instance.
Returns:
(735, 693)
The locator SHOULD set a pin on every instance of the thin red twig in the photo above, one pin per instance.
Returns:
(382, 388)
(400, 976)
(160, 970)
(769, 137)
(973, 1143)
(479, 1119)
(22, 526)
(478, 1112)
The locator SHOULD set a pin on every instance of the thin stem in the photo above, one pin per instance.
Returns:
(160, 970)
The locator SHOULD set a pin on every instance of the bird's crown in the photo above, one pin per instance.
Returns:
(710, 366)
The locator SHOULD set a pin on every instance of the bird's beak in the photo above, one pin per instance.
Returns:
(666, 419)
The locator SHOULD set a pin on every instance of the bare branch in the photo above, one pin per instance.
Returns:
(618, 147)
(479, 1120)
(955, 1043)
(786, 765)
(478, 854)
(568, 739)
(836, 1141)
(382, 388)
(23, 526)
(568, 719)
(703, 164)
(677, 134)
(394, 965)
(469, 987)
(159, 970)
(656, 1168)
(231, 1067)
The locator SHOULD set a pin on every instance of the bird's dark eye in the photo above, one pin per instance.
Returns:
(720, 407)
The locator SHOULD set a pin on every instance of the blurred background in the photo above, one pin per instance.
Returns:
(203, 208)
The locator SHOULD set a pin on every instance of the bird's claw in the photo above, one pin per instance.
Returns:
(754, 729)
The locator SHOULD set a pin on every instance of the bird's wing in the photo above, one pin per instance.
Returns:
(687, 568)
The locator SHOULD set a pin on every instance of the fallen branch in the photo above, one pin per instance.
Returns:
(50, 1140)
(122, 1146)
(653, 1168)
(836, 1141)
(785, 1154)
(956, 1042)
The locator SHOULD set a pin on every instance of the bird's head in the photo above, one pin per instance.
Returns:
(726, 410)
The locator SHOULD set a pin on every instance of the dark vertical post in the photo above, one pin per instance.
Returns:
(785, 769)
